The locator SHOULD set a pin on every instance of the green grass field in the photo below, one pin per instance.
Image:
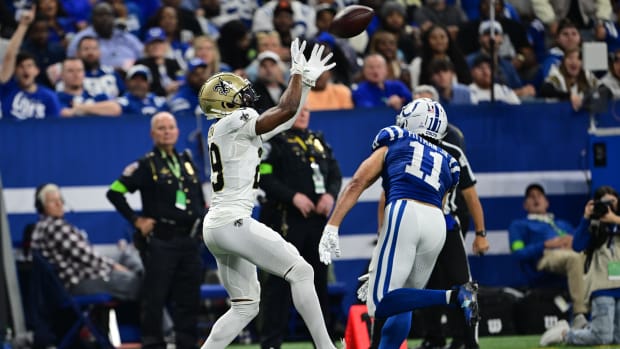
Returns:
(512, 342)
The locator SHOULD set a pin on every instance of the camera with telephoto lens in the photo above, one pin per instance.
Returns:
(600, 209)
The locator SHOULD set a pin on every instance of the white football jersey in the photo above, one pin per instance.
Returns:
(234, 151)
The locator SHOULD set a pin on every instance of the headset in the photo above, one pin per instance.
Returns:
(39, 199)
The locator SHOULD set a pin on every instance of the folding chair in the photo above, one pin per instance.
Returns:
(45, 282)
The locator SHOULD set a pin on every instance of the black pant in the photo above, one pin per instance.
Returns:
(173, 274)
(276, 300)
(451, 269)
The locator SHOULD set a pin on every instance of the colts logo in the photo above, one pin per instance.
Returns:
(222, 87)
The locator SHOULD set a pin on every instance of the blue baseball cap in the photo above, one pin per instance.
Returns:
(195, 63)
(155, 34)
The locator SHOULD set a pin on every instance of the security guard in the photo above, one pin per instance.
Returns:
(172, 208)
(301, 180)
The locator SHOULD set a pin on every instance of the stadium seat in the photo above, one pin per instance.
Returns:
(48, 293)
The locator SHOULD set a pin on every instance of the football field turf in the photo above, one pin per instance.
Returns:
(512, 342)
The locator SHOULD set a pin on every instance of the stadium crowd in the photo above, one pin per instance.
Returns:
(141, 57)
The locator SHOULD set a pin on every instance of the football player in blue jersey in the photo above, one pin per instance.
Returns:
(417, 175)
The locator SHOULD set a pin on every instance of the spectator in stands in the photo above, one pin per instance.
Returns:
(303, 17)
(609, 32)
(327, 95)
(569, 81)
(119, 49)
(128, 16)
(581, 12)
(99, 78)
(515, 45)
(46, 52)
(187, 25)
(384, 43)
(612, 78)
(234, 45)
(82, 269)
(393, 16)
(283, 22)
(210, 17)
(138, 100)
(444, 79)
(436, 43)
(267, 41)
(75, 101)
(205, 48)
(375, 90)
(78, 10)
(567, 38)
(59, 26)
(185, 101)
(543, 243)
(178, 40)
(481, 84)
(242, 10)
(597, 236)
(269, 84)
(440, 12)
(166, 72)
(20, 96)
(506, 74)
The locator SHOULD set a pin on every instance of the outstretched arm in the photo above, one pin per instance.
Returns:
(303, 77)
(8, 64)
(366, 175)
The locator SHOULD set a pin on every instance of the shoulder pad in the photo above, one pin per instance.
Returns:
(388, 135)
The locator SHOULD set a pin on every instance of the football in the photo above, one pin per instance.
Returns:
(351, 21)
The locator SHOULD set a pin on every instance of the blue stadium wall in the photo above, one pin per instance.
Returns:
(508, 147)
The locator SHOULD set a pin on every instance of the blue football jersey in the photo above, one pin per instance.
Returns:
(414, 168)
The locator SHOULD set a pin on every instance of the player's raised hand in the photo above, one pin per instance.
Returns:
(315, 66)
(329, 243)
(298, 60)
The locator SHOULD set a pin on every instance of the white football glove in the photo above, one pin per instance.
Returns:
(328, 244)
(362, 292)
(298, 60)
(315, 66)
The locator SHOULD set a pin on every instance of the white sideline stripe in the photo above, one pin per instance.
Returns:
(359, 246)
(490, 185)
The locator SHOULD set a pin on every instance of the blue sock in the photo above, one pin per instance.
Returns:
(407, 299)
(395, 331)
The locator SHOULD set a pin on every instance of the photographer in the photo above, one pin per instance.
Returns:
(598, 236)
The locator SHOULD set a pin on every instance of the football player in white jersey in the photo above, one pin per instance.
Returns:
(238, 242)
(416, 176)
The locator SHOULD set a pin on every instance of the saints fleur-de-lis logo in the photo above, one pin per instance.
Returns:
(222, 87)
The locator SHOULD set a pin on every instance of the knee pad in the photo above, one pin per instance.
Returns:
(300, 271)
(245, 309)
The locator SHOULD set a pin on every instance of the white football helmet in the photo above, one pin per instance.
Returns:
(425, 117)
(224, 93)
